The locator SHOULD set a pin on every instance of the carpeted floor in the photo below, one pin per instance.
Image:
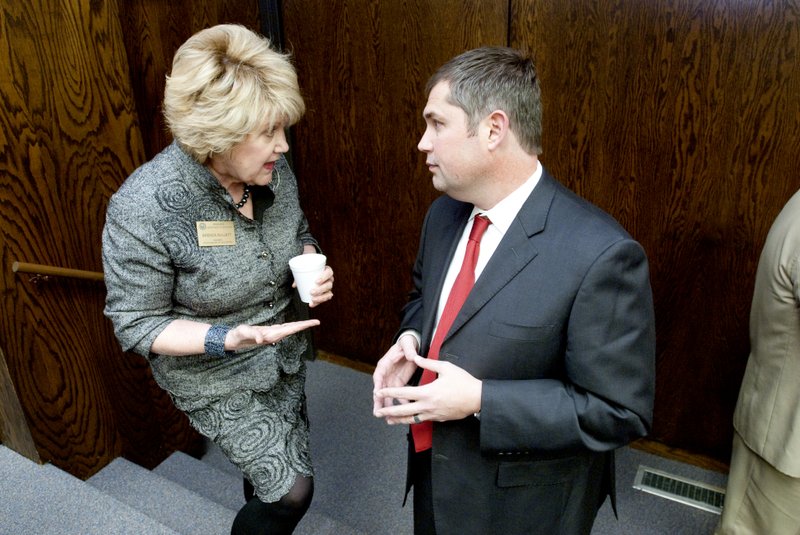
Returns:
(360, 474)
(360, 468)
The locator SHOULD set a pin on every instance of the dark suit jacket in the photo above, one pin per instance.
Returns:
(560, 329)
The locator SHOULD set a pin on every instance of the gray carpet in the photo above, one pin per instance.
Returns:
(359, 482)
(360, 464)
(44, 500)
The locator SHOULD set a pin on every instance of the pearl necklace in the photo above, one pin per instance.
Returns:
(245, 196)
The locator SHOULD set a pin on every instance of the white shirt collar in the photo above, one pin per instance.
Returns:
(504, 212)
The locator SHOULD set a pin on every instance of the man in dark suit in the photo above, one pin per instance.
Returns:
(548, 365)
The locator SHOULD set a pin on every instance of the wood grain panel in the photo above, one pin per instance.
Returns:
(69, 136)
(64, 142)
(682, 119)
(363, 66)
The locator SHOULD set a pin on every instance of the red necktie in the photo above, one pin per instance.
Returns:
(422, 432)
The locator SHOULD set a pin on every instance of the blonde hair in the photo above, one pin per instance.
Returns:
(226, 81)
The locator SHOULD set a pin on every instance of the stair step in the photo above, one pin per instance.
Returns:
(217, 459)
(218, 479)
(166, 501)
(204, 479)
(44, 499)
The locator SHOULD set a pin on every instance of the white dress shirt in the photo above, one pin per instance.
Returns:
(501, 217)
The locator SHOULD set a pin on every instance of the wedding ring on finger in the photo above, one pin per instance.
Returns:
(417, 419)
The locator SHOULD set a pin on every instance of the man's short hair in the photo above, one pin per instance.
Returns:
(486, 79)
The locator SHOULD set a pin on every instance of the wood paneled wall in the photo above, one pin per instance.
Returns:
(362, 68)
(66, 136)
(69, 135)
(680, 118)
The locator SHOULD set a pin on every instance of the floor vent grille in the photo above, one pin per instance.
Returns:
(679, 489)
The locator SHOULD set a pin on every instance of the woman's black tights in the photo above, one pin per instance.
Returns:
(274, 518)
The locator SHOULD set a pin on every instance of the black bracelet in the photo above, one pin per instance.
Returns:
(215, 341)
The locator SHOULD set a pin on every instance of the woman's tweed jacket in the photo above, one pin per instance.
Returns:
(156, 272)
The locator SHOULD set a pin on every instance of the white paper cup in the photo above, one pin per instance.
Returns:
(306, 269)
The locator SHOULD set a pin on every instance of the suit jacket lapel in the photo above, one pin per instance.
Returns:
(449, 237)
(513, 253)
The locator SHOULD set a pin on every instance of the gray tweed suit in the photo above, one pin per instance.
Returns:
(156, 272)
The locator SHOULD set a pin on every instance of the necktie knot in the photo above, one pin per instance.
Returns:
(479, 225)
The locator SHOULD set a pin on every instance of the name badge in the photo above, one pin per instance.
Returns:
(215, 233)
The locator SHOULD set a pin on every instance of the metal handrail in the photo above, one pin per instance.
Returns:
(43, 272)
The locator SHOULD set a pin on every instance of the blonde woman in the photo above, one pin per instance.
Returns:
(196, 247)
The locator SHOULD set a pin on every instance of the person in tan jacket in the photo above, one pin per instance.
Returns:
(763, 491)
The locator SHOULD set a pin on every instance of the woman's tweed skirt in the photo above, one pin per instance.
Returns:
(265, 434)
